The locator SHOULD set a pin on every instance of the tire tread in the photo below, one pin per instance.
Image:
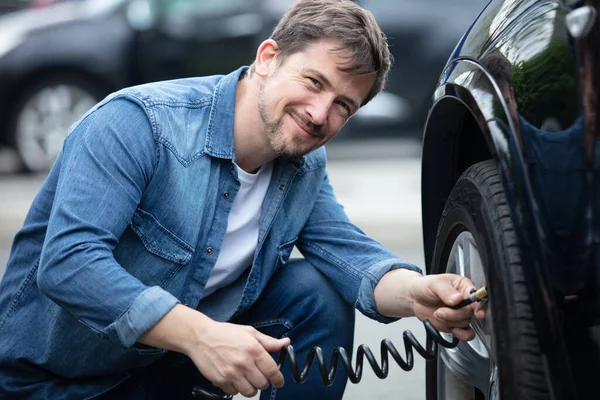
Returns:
(526, 374)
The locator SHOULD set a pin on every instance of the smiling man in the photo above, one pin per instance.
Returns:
(156, 254)
(303, 100)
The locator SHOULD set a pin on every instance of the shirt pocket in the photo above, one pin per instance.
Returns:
(160, 241)
(285, 250)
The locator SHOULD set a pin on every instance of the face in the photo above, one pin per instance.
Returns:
(306, 99)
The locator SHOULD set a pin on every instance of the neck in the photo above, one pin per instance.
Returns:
(251, 146)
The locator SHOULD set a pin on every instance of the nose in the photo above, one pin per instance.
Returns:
(319, 110)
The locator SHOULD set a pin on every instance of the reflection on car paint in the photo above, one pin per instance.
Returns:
(529, 78)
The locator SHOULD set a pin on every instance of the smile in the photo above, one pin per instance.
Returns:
(303, 128)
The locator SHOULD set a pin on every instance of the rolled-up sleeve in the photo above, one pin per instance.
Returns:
(105, 164)
(352, 261)
(366, 292)
(145, 311)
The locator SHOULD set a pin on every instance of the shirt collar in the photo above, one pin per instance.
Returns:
(219, 137)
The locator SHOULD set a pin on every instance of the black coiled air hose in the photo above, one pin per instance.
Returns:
(429, 353)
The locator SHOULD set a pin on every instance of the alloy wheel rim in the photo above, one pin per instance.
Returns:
(471, 364)
(44, 120)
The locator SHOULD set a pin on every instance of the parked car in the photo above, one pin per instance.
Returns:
(57, 61)
(510, 179)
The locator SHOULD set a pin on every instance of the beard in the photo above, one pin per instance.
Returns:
(286, 147)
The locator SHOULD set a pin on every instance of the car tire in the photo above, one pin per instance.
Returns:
(42, 115)
(477, 209)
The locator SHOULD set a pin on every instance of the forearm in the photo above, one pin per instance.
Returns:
(179, 330)
(395, 293)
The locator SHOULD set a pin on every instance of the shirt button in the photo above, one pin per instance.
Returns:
(281, 187)
(209, 250)
(226, 195)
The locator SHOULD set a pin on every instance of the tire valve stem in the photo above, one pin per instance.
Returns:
(476, 295)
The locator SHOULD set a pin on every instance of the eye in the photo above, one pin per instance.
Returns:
(315, 82)
(344, 105)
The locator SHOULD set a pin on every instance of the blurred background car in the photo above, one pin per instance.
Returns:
(56, 61)
(7, 6)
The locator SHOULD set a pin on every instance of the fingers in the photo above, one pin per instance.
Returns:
(265, 368)
(268, 369)
(257, 379)
(448, 288)
(455, 322)
(265, 363)
(458, 321)
(243, 386)
(478, 310)
(464, 334)
(227, 388)
(480, 314)
(460, 328)
(270, 343)
(455, 318)
(250, 378)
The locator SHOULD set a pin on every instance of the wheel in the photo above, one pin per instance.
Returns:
(42, 116)
(476, 239)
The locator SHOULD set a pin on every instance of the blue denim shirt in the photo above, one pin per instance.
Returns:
(130, 222)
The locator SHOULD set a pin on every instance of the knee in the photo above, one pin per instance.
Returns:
(318, 298)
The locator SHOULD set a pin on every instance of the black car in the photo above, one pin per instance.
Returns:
(510, 198)
(57, 61)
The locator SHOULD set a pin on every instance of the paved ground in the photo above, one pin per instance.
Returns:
(378, 183)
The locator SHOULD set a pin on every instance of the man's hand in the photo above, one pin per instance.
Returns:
(236, 358)
(233, 357)
(432, 296)
(403, 293)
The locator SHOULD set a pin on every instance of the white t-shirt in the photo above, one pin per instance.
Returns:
(239, 245)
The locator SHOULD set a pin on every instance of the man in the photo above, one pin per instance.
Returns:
(157, 251)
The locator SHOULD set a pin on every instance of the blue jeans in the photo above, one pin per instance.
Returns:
(300, 303)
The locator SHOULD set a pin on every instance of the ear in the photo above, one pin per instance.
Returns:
(265, 58)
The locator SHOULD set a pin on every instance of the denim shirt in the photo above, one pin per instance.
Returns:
(130, 222)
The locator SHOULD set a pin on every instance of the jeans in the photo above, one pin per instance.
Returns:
(299, 303)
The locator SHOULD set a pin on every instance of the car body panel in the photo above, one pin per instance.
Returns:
(541, 128)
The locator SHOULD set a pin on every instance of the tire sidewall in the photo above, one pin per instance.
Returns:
(466, 210)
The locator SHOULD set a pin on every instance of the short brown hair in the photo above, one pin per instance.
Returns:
(341, 20)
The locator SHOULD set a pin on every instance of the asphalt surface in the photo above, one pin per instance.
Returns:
(378, 182)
